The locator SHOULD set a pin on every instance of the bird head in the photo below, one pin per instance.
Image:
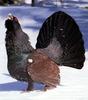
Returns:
(12, 23)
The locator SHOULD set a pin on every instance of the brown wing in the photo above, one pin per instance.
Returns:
(43, 69)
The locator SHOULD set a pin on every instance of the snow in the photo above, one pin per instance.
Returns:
(74, 82)
(28, 1)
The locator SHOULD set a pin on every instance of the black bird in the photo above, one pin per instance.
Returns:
(59, 43)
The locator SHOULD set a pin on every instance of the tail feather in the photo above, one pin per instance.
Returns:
(61, 39)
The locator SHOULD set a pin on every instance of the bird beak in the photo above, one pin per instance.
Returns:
(10, 16)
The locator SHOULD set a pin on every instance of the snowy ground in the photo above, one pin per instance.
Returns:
(74, 83)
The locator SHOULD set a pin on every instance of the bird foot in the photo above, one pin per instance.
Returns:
(48, 87)
(29, 89)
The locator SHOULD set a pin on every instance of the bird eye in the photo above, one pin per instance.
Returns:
(15, 19)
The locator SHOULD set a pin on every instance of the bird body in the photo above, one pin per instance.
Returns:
(59, 43)
(18, 49)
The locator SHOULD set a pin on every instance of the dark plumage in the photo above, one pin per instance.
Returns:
(20, 51)
(59, 43)
(61, 39)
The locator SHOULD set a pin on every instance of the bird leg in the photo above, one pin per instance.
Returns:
(30, 85)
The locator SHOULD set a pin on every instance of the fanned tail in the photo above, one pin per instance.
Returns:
(60, 38)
